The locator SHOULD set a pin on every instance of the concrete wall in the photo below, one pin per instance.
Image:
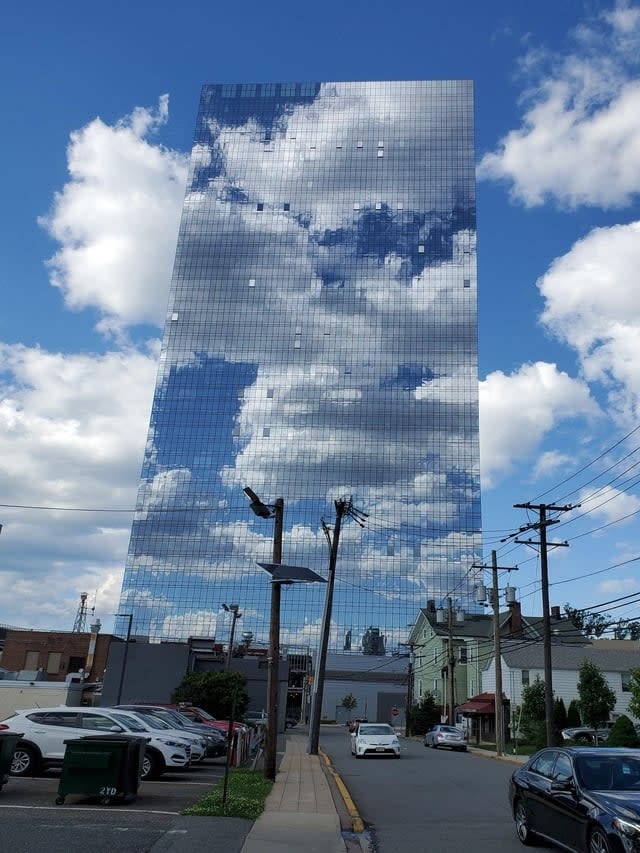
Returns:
(21, 696)
(152, 672)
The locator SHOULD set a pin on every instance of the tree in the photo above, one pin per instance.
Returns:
(533, 723)
(559, 714)
(349, 702)
(596, 699)
(215, 692)
(424, 715)
(573, 714)
(623, 733)
(634, 687)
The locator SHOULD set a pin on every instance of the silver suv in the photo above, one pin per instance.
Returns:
(44, 731)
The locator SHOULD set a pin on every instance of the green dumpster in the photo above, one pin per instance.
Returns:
(8, 743)
(106, 767)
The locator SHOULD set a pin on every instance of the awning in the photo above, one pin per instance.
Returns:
(472, 707)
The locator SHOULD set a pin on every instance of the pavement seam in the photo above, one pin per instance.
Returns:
(356, 821)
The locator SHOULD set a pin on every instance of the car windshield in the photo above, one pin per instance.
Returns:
(153, 722)
(375, 730)
(450, 730)
(204, 714)
(129, 722)
(609, 773)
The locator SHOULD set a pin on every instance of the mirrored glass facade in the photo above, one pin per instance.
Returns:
(320, 343)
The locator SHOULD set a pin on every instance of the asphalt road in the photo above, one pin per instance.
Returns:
(430, 800)
(30, 820)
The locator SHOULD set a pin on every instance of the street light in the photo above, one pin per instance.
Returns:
(280, 574)
(128, 616)
(275, 511)
(234, 609)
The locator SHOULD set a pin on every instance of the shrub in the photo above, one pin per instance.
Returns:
(623, 733)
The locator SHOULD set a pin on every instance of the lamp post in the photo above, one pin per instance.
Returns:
(128, 616)
(275, 511)
(234, 609)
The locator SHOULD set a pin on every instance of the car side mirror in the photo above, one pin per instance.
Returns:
(116, 729)
(562, 785)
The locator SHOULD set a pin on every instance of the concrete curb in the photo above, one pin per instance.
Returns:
(356, 820)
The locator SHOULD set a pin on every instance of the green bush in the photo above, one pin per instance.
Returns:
(623, 733)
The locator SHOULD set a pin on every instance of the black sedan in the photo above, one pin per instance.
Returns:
(580, 798)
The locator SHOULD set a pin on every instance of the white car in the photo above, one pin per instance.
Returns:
(374, 739)
(155, 725)
(45, 730)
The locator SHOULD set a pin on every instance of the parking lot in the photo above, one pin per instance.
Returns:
(30, 819)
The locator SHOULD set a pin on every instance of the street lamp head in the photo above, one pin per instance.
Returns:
(257, 506)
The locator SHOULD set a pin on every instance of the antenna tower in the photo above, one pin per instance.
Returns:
(80, 625)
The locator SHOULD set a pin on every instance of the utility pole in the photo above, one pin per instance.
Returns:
(343, 508)
(497, 651)
(451, 662)
(499, 708)
(407, 713)
(541, 525)
(234, 609)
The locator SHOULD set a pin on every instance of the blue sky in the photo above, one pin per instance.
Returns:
(99, 108)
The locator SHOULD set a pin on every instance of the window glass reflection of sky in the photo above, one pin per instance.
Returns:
(320, 343)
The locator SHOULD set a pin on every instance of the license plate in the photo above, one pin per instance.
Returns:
(379, 748)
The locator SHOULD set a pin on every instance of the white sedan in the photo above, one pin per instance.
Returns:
(374, 739)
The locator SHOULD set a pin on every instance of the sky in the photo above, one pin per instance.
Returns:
(100, 106)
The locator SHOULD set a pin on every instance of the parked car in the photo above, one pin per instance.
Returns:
(198, 743)
(216, 739)
(374, 739)
(450, 736)
(199, 715)
(580, 798)
(587, 734)
(46, 729)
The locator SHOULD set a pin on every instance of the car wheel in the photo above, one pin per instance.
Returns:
(152, 766)
(526, 836)
(434, 746)
(598, 842)
(25, 761)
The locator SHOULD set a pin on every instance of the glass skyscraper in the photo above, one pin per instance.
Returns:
(320, 343)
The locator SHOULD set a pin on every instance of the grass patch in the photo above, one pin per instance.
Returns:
(246, 792)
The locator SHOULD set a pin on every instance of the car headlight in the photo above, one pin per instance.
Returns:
(171, 742)
(627, 827)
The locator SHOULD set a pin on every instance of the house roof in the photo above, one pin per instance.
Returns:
(569, 657)
(483, 703)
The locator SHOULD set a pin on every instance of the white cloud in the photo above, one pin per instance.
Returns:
(609, 504)
(618, 587)
(117, 220)
(517, 411)
(72, 431)
(592, 303)
(580, 137)
(549, 462)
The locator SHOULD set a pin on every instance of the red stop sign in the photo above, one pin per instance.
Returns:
(394, 712)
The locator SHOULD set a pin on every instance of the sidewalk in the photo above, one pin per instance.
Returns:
(299, 814)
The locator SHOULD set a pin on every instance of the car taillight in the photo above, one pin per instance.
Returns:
(3, 726)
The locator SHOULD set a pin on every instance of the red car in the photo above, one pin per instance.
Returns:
(198, 715)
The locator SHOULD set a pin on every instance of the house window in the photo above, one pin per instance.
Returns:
(626, 682)
(286, 206)
(32, 660)
(462, 654)
(419, 687)
(53, 662)
(260, 205)
(525, 677)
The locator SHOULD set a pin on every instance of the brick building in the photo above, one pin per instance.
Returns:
(57, 653)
